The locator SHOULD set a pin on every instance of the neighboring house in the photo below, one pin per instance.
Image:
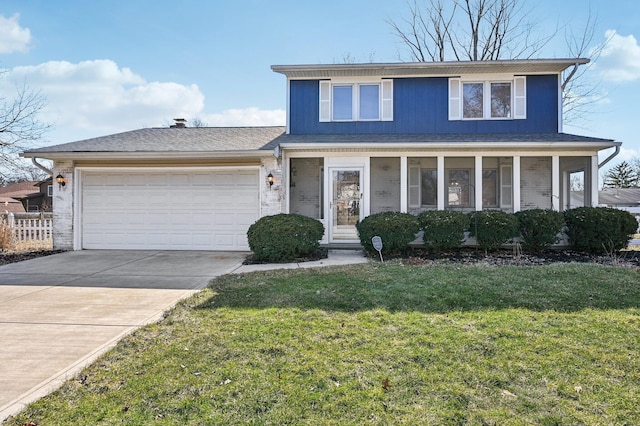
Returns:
(28, 196)
(359, 139)
(619, 198)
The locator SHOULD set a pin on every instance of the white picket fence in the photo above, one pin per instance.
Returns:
(31, 233)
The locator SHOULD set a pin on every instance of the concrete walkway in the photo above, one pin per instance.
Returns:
(61, 312)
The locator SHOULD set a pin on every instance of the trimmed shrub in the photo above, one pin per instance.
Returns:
(492, 228)
(396, 229)
(599, 229)
(539, 228)
(284, 237)
(443, 229)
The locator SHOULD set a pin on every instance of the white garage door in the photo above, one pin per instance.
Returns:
(169, 210)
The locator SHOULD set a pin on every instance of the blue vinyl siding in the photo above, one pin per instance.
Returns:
(421, 106)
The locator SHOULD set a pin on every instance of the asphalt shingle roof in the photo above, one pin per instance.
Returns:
(188, 139)
(237, 139)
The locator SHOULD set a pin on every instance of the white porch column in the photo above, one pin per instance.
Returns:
(594, 181)
(441, 183)
(555, 183)
(404, 202)
(516, 183)
(478, 183)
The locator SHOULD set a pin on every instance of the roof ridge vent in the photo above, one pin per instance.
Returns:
(180, 123)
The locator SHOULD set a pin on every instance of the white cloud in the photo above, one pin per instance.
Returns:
(13, 38)
(95, 98)
(100, 97)
(620, 58)
(246, 117)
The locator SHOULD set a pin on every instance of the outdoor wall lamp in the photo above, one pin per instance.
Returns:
(61, 181)
(271, 180)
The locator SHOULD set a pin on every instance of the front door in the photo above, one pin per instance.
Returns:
(345, 205)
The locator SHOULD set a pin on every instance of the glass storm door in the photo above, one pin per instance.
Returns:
(345, 205)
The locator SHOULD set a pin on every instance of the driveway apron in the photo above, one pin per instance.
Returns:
(59, 313)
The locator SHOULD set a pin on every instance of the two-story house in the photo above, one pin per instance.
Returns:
(359, 139)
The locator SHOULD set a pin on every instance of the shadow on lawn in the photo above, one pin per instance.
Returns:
(442, 289)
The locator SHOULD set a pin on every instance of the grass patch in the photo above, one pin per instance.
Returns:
(378, 344)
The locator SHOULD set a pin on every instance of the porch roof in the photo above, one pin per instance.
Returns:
(504, 140)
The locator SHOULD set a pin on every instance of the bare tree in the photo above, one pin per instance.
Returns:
(578, 92)
(20, 129)
(197, 122)
(487, 30)
(473, 30)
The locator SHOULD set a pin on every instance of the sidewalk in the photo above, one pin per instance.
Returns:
(336, 257)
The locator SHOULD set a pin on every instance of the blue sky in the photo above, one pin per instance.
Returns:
(110, 66)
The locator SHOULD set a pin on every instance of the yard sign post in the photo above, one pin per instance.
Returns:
(377, 244)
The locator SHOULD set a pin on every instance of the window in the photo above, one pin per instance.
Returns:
(423, 187)
(472, 100)
(458, 184)
(366, 101)
(482, 100)
(50, 190)
(429, 189)
(489, 188)
(369, 102)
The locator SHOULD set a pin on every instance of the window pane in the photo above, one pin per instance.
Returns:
(472, 100)
(429, 187)
(342, 103)
(501, 100)
(489, 188)
(369, 102)
(458, 188)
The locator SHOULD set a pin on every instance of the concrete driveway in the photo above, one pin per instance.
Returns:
(59, 313)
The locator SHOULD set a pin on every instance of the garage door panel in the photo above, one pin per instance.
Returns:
(203, 210)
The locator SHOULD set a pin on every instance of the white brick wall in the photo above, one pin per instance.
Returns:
(272, 197)
(63, 207)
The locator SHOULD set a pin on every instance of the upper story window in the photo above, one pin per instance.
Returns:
(499, 99)
(356, 101)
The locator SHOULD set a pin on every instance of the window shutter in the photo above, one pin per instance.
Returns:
(455, 99)
(325, 100)
(387, 100)
(414, 186)
(520, 98)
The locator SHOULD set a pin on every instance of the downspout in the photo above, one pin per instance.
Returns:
(41, 167)
(570, 76)
(609, 158)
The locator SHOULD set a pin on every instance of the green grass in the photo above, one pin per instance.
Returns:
(377, 344)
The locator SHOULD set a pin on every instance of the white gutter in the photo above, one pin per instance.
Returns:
(609, 158)
(34, 160)
(136, 155)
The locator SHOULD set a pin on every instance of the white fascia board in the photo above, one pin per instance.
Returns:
(173, 155)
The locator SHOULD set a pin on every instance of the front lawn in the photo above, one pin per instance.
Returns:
(377, 344)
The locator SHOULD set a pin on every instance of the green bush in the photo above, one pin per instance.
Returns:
(284, 237)
(492, 228)
(443, 229)
(599, 229)
(396, 229)
(539, 228)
